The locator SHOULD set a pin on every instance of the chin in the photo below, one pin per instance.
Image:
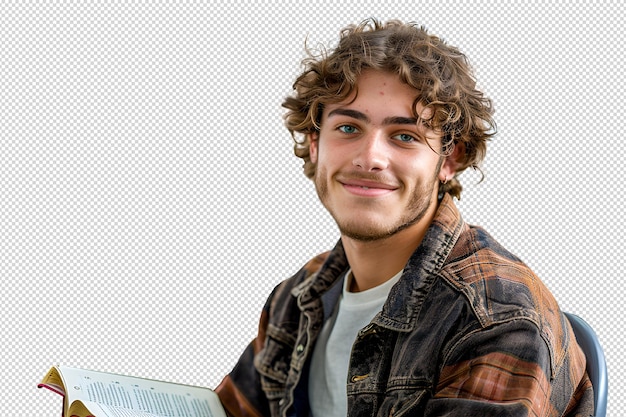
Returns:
(369, 233)
(368, 228)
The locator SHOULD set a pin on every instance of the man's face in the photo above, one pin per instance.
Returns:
(375, 174)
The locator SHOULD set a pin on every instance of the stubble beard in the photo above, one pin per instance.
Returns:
(415, 210)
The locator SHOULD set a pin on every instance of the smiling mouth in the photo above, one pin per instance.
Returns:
(368, 185)
(371, 186)
(368, 191)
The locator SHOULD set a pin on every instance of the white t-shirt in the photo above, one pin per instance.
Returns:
(331, 355)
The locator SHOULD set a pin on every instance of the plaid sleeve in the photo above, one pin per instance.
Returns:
(503, 370)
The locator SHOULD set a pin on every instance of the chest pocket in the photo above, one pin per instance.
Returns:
(386, 379)
(272, 361)
(405, 402)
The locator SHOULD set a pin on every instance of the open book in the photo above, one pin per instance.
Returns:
(101, 394)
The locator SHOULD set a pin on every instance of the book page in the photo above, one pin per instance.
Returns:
(124, 396)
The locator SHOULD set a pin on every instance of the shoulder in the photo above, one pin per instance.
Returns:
(501, 288)
(498, 283)
(303, 276)
(313, 279)
(316, 276)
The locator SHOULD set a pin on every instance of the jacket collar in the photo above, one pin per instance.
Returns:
(407, 296)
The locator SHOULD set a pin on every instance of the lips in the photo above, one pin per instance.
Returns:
(367, 188)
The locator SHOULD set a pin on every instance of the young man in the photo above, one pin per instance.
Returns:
(414, 312)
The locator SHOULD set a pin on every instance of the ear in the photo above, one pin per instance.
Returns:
(451, 162)
(313, 139)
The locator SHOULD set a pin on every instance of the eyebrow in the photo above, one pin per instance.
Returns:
(355, 114)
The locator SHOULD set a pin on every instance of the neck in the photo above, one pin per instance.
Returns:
(375, 262)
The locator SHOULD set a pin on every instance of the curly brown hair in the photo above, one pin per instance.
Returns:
(440, 74)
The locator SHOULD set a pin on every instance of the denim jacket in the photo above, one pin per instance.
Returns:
(469, 330)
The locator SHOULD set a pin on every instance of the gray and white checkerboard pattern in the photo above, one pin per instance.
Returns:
(150, 198)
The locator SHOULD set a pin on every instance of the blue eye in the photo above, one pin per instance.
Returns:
(347, 129)
(403, 137)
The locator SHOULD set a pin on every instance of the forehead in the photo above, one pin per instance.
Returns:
(381, 93)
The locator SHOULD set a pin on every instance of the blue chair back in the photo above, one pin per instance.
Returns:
(596, 363)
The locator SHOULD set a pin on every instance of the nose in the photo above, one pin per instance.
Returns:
(371, 153)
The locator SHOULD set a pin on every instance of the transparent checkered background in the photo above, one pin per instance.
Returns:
(150, 200)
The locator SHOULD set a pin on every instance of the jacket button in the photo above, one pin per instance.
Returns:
(300, 348)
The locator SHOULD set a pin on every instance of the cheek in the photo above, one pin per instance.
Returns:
(323, 156)
(420, 175)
